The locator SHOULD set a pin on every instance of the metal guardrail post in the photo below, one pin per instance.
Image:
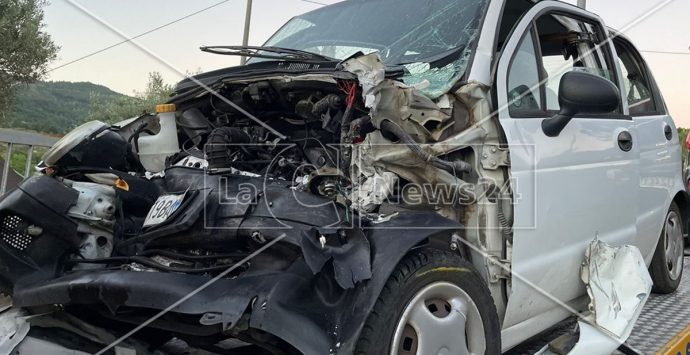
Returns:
(12, 138)
(6, 170)
(29, 159)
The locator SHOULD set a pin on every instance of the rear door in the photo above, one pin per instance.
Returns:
(658, 144)
(569, 189)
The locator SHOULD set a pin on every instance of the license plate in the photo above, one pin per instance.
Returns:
(165, 206)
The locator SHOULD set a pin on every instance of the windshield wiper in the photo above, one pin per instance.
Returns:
(287, 54)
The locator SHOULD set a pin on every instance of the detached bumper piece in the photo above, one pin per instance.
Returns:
(29, 251)
(316, 304)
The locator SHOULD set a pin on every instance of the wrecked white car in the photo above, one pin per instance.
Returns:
(382, 177)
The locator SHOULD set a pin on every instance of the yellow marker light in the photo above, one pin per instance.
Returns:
(122, 185)
(164, 108)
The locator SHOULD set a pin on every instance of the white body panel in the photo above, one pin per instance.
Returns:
(661, 178)
(574, 188)
(554, 224)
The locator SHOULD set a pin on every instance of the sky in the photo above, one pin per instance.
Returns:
(125, 68)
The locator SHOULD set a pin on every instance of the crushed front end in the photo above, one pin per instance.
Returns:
(265, 206)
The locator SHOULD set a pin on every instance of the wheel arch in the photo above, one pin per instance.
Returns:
(419, 270)
(682, 200)
(390, 243)
(444, 242)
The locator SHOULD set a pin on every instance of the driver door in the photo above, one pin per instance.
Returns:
(568, 189)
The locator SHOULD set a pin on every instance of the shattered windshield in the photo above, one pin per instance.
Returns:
(431, 39)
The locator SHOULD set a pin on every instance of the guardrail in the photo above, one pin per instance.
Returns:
(11, 138)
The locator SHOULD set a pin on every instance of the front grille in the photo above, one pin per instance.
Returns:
(13, 232)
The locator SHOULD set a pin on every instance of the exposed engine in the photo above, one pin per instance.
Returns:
(354, 138)
(151, 206)
(95, 213)
(293, 132)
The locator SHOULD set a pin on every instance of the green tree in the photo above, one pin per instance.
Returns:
(25, 48)
(114, 109)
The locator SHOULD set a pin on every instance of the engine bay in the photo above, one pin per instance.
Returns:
(320, 167)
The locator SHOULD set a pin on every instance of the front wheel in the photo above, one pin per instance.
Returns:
(667, 265)
(433, 303)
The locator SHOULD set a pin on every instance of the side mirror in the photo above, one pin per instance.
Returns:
(581, 93)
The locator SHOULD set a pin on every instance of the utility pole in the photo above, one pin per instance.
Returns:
(582, 4)
(247, 25)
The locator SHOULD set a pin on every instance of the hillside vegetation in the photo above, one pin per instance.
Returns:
(55, 107)
(58, 107)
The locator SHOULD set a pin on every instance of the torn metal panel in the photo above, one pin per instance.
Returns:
(374, 191)
(371, 72)
(13, 329)
(378, 153)
(393, 100)
(618, 285)
(424, 120)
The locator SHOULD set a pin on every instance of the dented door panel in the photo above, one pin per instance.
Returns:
(554, 221)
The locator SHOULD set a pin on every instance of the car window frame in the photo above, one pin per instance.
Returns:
(541, 113)
(608, 51)
(659, 104)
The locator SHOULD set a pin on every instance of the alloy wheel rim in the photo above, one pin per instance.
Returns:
(673, 245)
(441, 319)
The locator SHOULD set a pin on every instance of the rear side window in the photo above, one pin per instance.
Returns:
(638, 89)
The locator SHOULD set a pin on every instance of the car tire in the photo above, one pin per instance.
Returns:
(666, 268)
(434, 300)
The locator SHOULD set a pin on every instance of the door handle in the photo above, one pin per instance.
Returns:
(668, 132)
(625, 141)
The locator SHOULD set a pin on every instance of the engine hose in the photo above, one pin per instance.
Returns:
(357, 124)
(331, 101)
(345, 137)
(221, 142)
(454, 168)
(345, 125)
(135, 135)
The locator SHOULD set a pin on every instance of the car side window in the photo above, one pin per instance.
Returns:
(523, 79)
(555, 45)
(638, 91)
(567, 44)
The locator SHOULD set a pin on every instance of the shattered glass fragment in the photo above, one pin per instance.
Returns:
(440, 79)
(433, 40)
